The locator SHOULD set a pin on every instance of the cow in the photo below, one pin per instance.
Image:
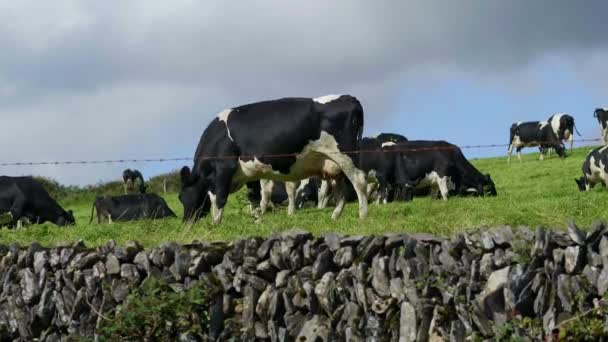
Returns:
(25, 199)
(601, 114)
(563, 126)
(370, 160)
(441, 165)
(286, 140)
(595, 169)
(129, 177)
(130, 207)
(534, 133)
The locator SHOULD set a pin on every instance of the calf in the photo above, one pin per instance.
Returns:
(284, 140)
(534, 133)
(441, 165)
(595, 169)
(24, 198)
(130, 177)
(130, 207)
(601, 114)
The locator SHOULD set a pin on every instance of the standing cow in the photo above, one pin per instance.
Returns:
(563, 126)
(286, 140)
(534, 133)
(595, 169)
(24, 198)
(130, 177)
(601, 114)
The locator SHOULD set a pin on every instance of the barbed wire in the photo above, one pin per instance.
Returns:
(266, 156)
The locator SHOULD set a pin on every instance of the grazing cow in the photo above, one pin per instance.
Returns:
(130, 207)
(601, 114)
(563, 126)
(282, 140)
(534, 133)
(389, 139)
(129, 177)
(441, 165)
(595, 169)
(24, 198)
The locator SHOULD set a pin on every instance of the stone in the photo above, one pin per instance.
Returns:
(332, 240)
(503, 236)
(500, 258)
(181, 264)
(573, 259)
(603, 247)
(41, 260)
(344, 257)
(487, 241)
(263, 251)
(120, 290)
(322, 265)
(112, 264)
(380, 277)
(352, 241)
(486, 264)
(491, 297)
(591, 274)
(602, 282)
(407, 323)
(131, 249)
(368, 251)
(596, 231)
(87, 261)
(29, 286)
(577, 235)
(299, 236)
(129, 273)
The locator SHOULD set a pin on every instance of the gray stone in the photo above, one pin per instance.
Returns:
(577, 235)
(332, 240)
(500, 258)
(492, 292)
(322, 265)
(369, 250)
(299, 236)
(344, 257)
(142, 262)
(120, 290)
(380, 280)
(486, 265)
(591, 274)
(41, 259)
(603, 247)
(325, 292)
(558, 256)
(263, 251)
(457, 331)
(112, 264)
(87, 261)
(129, 272)
(602, 282)
(99, 270)
(407, 323)
(315, 329)
(487, 241)
(29, 286)
(181, 263)
(132, 248)
(352, 241)
(573, 259)
(282, 278)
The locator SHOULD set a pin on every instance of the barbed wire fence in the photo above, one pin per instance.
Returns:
(395, 149)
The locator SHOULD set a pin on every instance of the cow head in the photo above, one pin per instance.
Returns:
(488, 186)
(308, 193)
(582, 183)
(560, 150)
(65, 219)
(193, 195)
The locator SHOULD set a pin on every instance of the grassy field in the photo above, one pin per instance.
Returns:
(532, 193)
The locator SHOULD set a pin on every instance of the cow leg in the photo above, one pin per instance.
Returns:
(356, 177)
(509, 152)
(442, 183)
(519, 154)
(290, 188)
(605, 136)
(218, 199)
(322, 195)
(340, 198)
(109, 216)
(266, 186)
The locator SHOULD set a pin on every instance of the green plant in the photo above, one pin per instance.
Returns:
(155, 312)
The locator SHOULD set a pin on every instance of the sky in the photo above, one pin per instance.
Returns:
(96, 80)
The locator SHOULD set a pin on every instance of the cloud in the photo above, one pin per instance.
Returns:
(90, 79)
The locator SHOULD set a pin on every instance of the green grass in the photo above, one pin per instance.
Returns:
(532, 193)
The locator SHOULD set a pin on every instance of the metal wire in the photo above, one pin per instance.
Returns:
(264, 156)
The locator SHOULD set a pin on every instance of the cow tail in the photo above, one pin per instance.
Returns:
(576, 130)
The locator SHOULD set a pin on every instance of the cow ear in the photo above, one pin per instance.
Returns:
(185, 175)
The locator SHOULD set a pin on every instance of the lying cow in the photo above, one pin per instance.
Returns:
(130, 177)
(24, 198)
(534, 133)
(130, 207)
(441, 165)
(595, 169)
(601, 114)
(284, 140)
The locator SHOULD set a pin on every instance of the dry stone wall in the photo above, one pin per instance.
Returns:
(294, 286)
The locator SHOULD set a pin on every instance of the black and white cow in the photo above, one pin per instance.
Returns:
(389, 139)
(563, 126)
(130, 207)
(285, 140)
(440, 165)
(595, 169)
(26, 198)
(130, 177)
(601, 114)
(534, 133)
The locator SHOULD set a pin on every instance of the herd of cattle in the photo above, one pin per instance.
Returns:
(305, 151)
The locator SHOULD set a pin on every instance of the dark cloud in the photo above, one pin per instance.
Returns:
(84, 79)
